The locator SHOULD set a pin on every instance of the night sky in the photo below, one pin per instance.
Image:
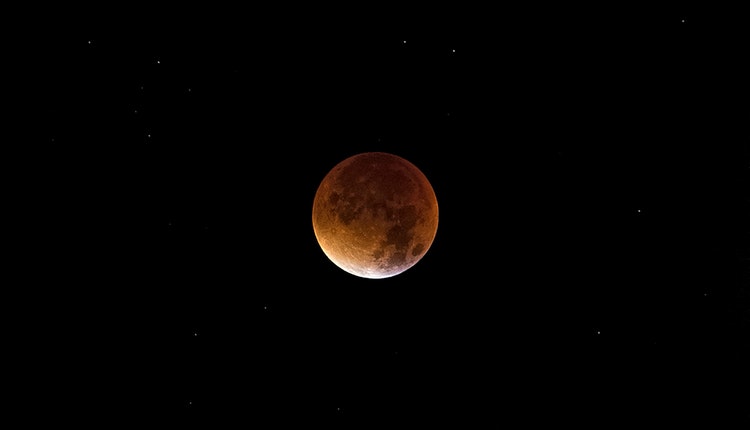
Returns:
(591, 264)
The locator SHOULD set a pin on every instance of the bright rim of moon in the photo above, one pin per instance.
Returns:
(375, 215)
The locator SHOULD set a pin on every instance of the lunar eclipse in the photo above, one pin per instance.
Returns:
(375, 215)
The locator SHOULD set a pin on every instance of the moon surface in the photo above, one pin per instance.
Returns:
(375, 215)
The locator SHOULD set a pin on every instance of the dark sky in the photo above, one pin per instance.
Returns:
(590, 265)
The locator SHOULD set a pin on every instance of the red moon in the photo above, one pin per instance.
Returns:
(375, 215)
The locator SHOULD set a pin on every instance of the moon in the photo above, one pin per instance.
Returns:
(375, 215)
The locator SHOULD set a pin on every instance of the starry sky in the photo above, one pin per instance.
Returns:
(591, 265)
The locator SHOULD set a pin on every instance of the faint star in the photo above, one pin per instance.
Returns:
(454, 50)
(683, 20)
(89, 42)
(404, 41)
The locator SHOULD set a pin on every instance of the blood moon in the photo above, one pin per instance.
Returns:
(375, 215)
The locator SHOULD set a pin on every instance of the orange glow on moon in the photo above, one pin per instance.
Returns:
(375, 215)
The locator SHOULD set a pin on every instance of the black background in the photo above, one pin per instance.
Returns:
(591, 261)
